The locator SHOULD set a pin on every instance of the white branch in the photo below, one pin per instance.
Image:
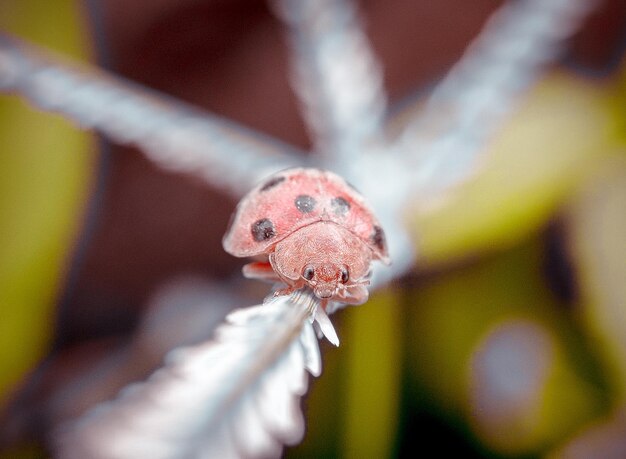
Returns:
(235, 396)
(336, 76)
(442, 145)
(171, 133)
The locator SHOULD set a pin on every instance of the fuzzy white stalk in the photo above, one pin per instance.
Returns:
(336, 77)
(171, 133)
(234, 396)
(442, 146)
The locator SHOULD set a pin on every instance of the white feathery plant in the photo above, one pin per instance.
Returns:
(238, 394)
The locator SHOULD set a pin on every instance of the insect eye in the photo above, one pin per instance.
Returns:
(345, 275)
(308, 272)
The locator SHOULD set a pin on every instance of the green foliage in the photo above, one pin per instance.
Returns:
(45, 169)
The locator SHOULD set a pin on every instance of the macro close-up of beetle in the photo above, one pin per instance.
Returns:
(316, 230)
(312, 228)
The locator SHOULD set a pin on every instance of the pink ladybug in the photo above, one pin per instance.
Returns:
(316, 230)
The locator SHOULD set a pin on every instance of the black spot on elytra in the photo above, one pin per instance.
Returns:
(262, 230)
(271, 183)
(339, 205)
(378, 238)
(305, 203)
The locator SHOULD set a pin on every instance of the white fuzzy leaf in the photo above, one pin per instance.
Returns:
(336, 76)
(171, 133)
(234, 396)
(443, 144)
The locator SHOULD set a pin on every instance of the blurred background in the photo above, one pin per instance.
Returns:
(507, 340)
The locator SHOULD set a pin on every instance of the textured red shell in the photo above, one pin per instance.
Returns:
(294, 198)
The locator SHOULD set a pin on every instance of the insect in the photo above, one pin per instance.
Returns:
(316, 230)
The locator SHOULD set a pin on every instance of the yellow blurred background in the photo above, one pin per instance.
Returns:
(46, 166)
